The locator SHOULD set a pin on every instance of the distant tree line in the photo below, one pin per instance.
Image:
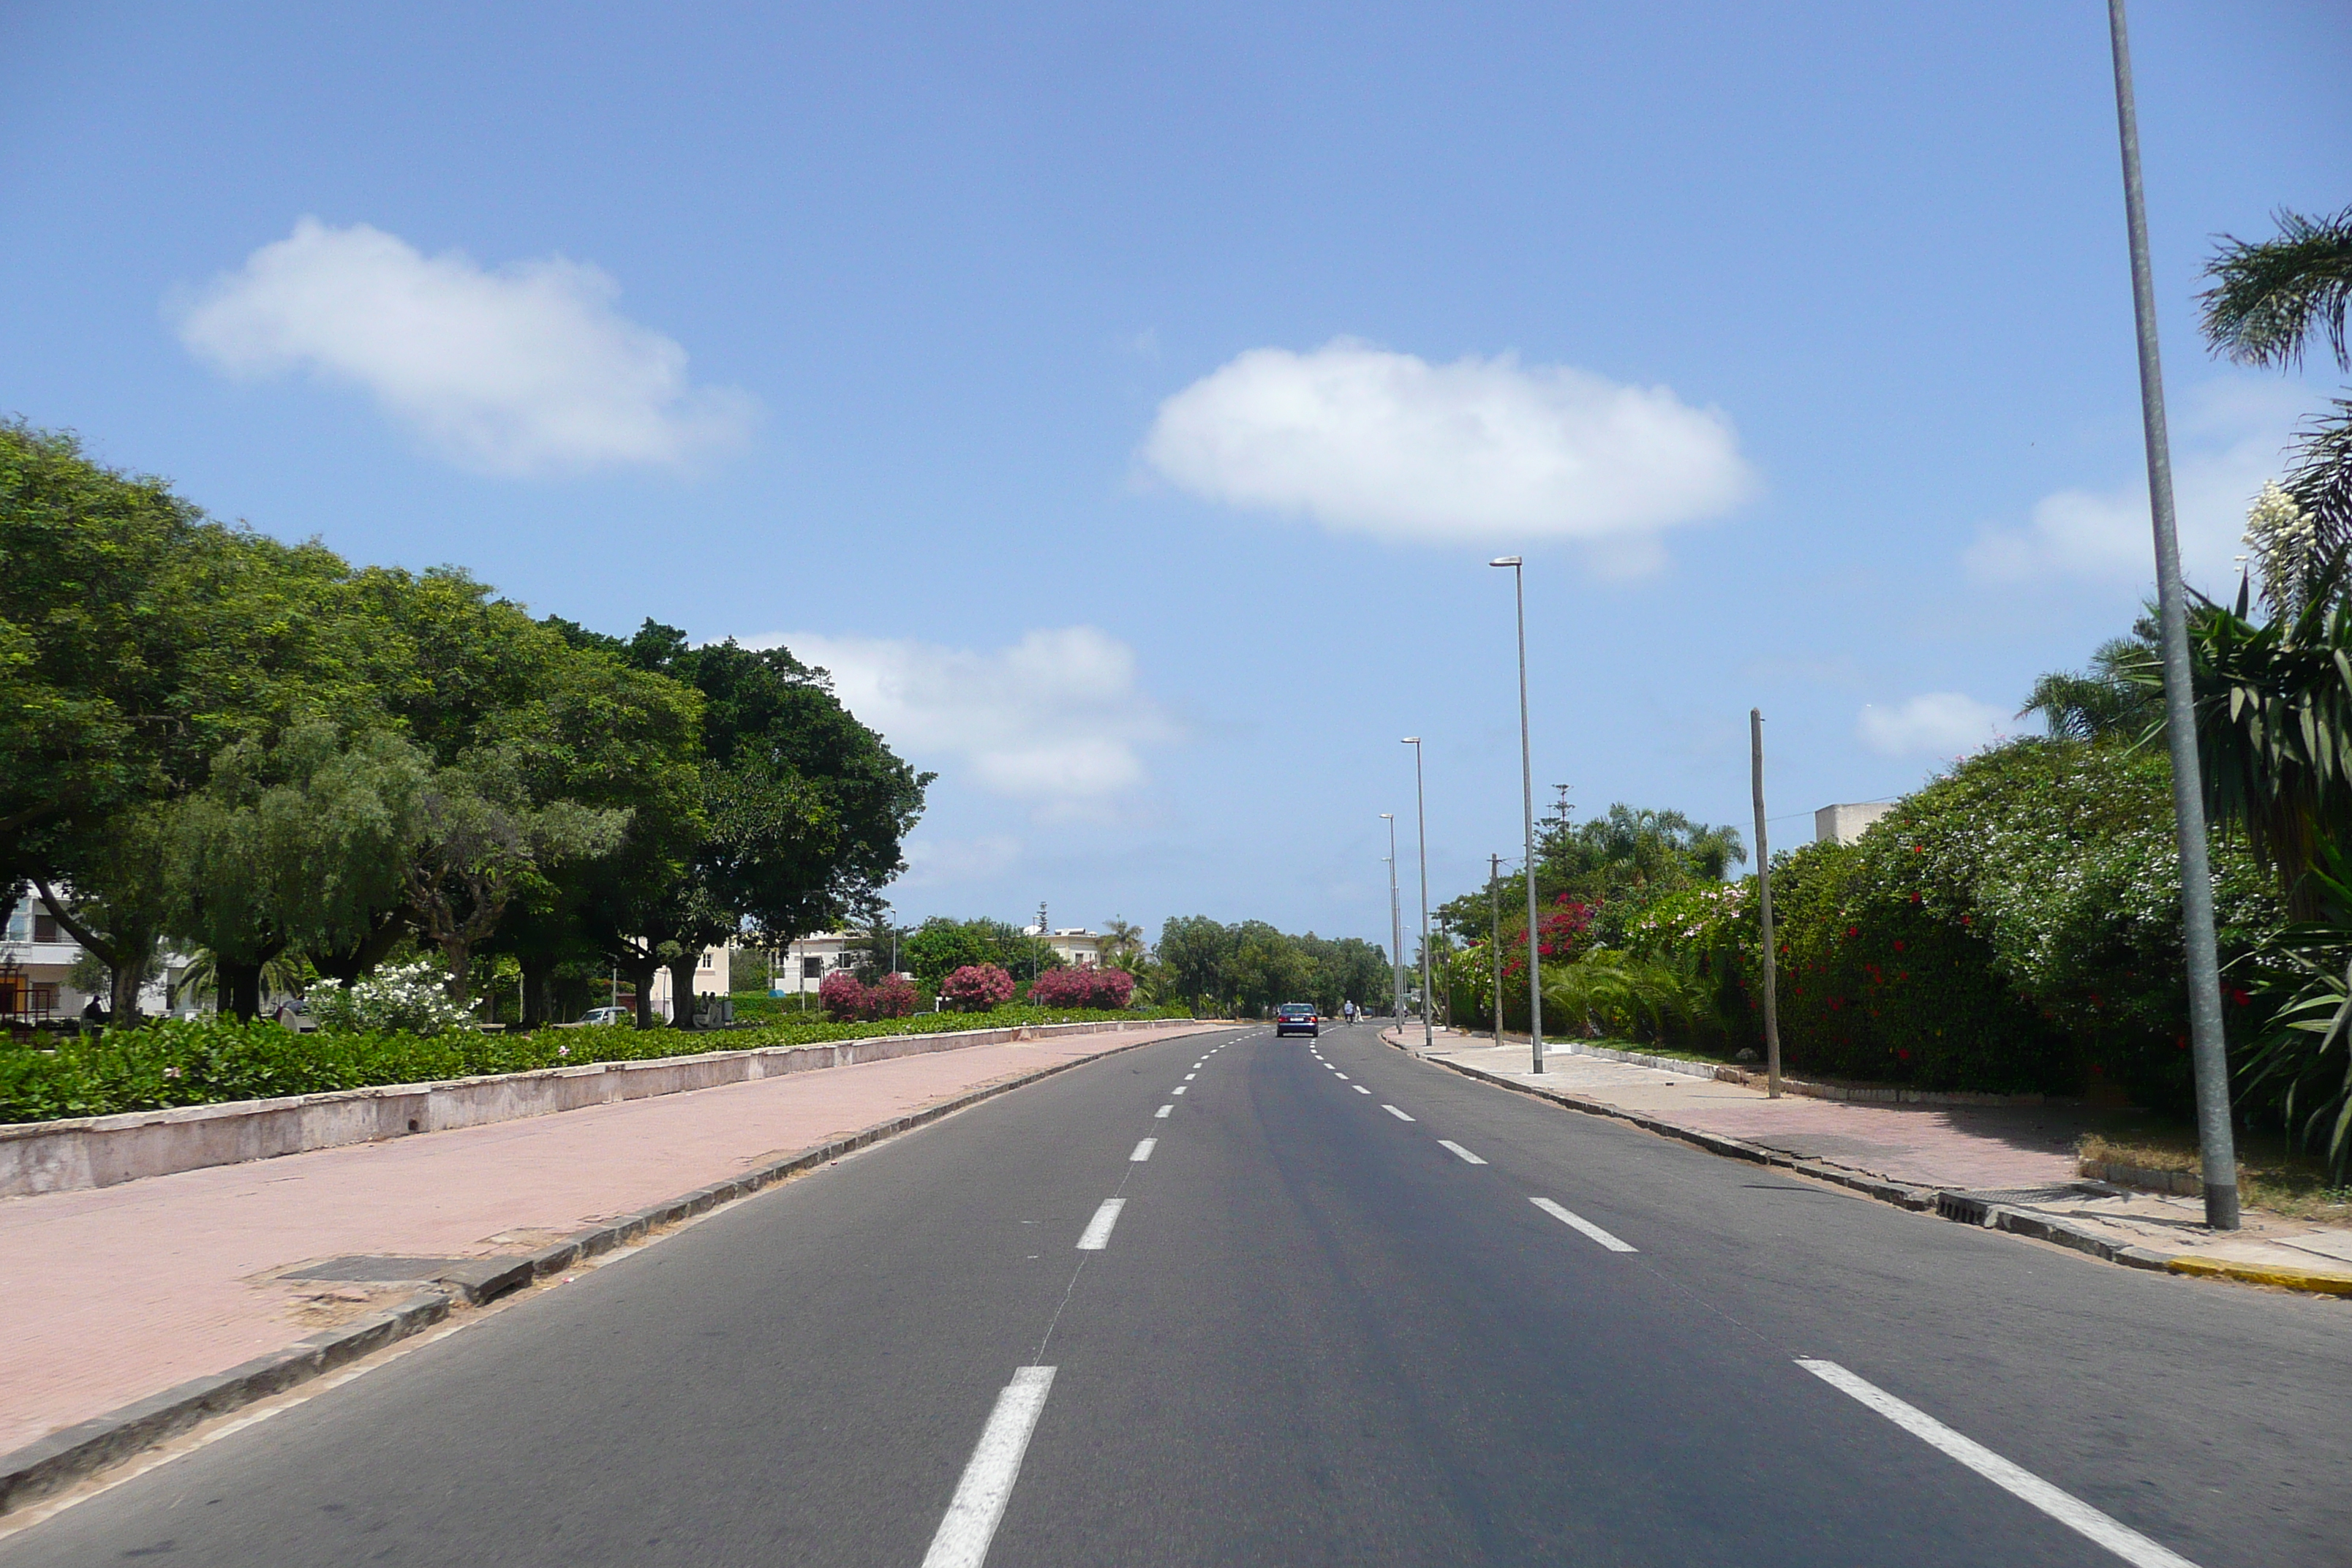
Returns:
(260, 753)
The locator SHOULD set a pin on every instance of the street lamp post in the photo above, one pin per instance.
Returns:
(1421, 829)
(2208, 1051)
(1396, 927)
(1528, 816)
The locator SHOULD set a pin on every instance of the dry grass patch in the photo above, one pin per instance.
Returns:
(2271, 1175)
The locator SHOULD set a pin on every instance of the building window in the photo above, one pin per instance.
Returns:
(44, 926)
(45, 1001)
(812, 969)
(706, 961)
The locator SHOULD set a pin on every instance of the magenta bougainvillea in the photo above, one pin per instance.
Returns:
(1085, 985)
(976, 988)
(892, 996)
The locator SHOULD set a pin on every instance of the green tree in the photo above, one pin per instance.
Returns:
(1195, 949)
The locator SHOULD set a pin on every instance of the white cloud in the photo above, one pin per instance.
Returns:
(2230, 443)
(524, 370)
(1056, 719)
(1940, 723)
(934, 862)
(1484, 450)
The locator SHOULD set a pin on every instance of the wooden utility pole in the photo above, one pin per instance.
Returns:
(1764, 909)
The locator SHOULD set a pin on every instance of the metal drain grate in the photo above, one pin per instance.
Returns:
(1973, 1208)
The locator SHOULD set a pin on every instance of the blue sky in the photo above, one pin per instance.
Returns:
(1124, 400)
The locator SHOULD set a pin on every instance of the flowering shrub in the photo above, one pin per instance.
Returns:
(976, 988)
(844, 998)
(1085, 985)
(892, 996)
(407, 998)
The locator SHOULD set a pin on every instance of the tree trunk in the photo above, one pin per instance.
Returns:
(458, 952)
(385, 931)
(240, 988)
(126, 979)
(641, 971)
(538, 989)
(681, 990)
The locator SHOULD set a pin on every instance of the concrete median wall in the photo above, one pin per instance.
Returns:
(102, 1151)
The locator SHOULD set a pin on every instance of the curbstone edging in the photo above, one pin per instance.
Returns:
(2315, 1279)
(57, 1460)
(74, 1452)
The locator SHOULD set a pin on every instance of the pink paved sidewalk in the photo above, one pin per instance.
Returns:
(114, 1294)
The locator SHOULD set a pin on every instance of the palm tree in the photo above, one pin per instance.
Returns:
(2270, 299)
(1122, 943)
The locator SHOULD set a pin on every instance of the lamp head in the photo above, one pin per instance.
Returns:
(1503, 561)
(1410, 740)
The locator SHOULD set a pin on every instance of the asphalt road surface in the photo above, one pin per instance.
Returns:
(1341, 1307)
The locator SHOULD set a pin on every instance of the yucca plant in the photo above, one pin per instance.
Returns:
(2302, 1061)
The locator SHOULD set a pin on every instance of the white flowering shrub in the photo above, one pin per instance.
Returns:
(406, 998)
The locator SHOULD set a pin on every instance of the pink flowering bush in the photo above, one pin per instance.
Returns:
(844, 999)
(892, 996)
(1083, 986)
(976, 988)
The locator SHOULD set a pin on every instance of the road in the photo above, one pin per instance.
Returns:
(1315, 1331)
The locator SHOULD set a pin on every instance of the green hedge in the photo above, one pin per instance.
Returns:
(2015, 925)
(204, 1061)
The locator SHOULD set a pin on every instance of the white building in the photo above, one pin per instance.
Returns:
(1844, 824)
(35, 959)
(803, 964)
(1074, 944)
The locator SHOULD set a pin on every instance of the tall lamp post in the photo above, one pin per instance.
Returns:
(1528, 816)
(1396, 924)
(1421, 829)
(2208, 1050)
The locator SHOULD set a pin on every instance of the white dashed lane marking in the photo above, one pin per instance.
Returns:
(2065, 1507)
(1178, 1089)
(1163, 1110)
(1143, 1150)
(1466, 1157)
(1359, 1089)
(987, 1484)
(1577, 1221)
(1098, 1232)
(1392, 1111)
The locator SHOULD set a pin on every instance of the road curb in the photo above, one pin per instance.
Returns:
(75, 1453)
(2319, 1280)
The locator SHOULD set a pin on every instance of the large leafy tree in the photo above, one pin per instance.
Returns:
(802, 810)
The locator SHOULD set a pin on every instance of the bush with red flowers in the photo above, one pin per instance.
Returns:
(1084, 986)
(976, 988)
(892, 996)
(844, 997)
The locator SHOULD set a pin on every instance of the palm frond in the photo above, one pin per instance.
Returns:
(2270, 297)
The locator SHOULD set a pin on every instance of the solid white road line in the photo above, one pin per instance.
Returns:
(2065, 1507)
(1359, 1089)
(1577, 1221)
(1392, 1111)
(1467, 1157)
(1142, 1151)
(987, 1484)
(1163, 1110)
(1098, 1233)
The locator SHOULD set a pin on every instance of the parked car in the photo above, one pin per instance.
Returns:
(610, 1016)
(1297, 1018)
